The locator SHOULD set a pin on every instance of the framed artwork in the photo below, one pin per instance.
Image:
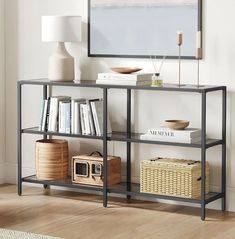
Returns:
(142, 28)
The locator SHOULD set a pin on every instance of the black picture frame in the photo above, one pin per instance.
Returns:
(199, 28)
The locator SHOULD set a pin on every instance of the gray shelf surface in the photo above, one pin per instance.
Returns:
(92, 84)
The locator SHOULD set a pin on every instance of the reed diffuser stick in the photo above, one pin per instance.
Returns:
(154, 63)
(160, 68)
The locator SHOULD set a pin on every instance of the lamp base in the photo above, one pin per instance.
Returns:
(61, 65)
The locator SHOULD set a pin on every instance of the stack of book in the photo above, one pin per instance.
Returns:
(189, 135)
(73, 116)
(124, 79)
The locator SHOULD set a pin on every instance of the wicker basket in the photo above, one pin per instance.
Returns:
(172, 177)
(52, 159)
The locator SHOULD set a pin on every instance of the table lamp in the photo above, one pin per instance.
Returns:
(61, 29)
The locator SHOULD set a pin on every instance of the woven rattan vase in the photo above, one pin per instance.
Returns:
(52, 159)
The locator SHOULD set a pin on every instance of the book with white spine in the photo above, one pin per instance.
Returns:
(75, 115)
(93, 110)
(171, 133)
(85, 119)
(42, 126)
(97, 111)
(65, 117)
(82, 119)
(54, 111)
(90, 118)
(170, 139)
(122, 82)
(77, 118)
(124, 77)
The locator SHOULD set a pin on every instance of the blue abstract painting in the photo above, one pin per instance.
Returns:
(142, 27)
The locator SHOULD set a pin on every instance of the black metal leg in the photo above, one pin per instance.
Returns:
(44, 98)
(105, 166)
(19, 135)
(128, 164)
(49, 95)
(223, 183)
(203, 158)
(46, 186)
(44, 92)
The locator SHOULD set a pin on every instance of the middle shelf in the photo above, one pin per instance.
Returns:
(124, 137)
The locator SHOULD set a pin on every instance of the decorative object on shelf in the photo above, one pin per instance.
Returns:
(61, 29)
(177, 124)
(179, 43)
(125, 70)
(156, 79)
(124, 79)
(198, 54)
(189, 135)
(88, 169)
(52, 159)
(172, 177)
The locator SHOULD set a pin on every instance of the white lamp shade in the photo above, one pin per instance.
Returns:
(61, 28)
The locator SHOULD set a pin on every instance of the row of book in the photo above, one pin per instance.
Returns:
(189, 135)
(73, 116)
(124, 79)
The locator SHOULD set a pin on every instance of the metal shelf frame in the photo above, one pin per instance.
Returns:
(128, 188)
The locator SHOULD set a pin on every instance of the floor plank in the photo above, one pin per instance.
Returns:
(75, 215)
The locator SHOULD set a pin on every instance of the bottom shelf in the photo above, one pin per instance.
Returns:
(121, 189)
(67, 183)
(134, 190)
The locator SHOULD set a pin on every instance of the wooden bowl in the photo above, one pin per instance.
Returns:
(177, 124)
(125, 70)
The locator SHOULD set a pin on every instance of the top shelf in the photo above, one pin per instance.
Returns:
(92, 84)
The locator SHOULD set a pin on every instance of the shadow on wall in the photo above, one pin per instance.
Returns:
(2, 93)
(88, 66)
(230, 140)
(12, 75)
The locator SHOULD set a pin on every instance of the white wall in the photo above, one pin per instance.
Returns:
(27, 58)
(2, 91)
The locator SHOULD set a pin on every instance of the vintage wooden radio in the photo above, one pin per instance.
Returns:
(88, 169)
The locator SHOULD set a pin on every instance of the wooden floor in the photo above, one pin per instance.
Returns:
(74, 215)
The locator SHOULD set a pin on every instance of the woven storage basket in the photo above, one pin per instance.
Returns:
(172, 177)
(52, 159)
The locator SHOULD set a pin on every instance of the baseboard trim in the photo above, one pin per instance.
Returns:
(2, 90)
(10, 173)
(2, 180)
(11, 177)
